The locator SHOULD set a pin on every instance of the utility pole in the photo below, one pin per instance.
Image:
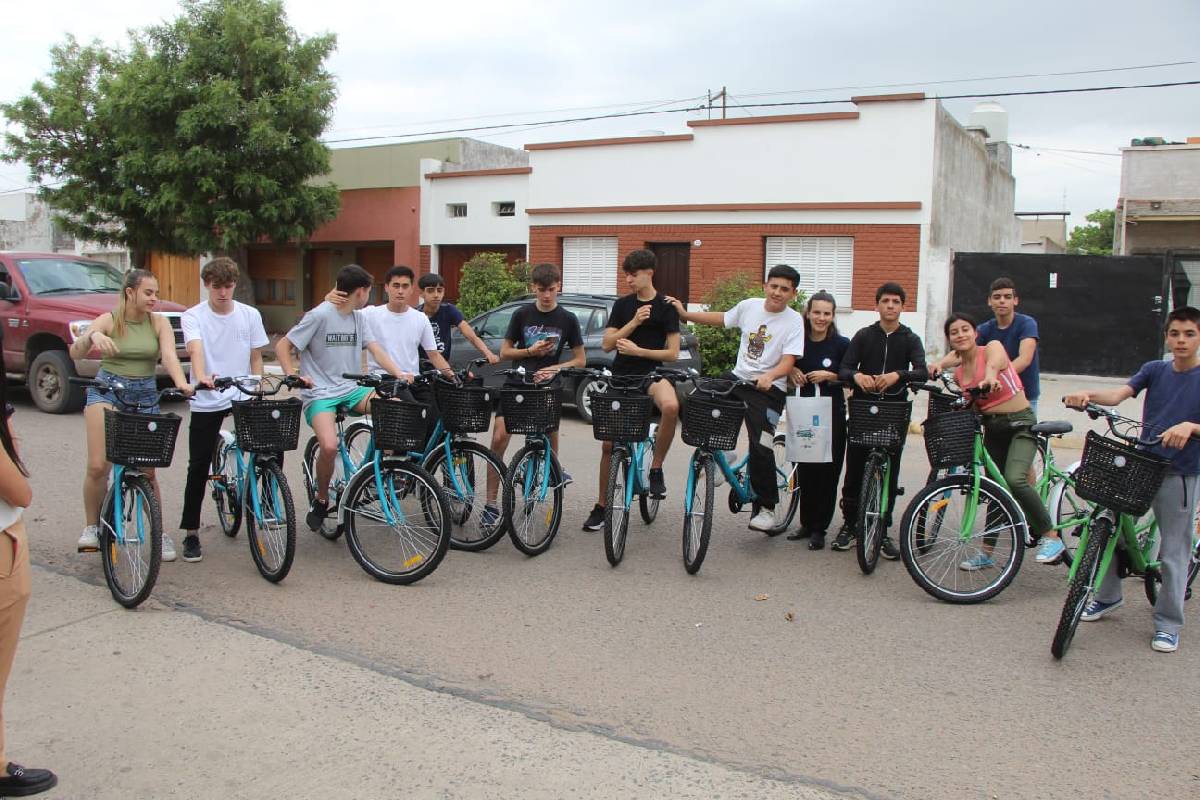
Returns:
(723, 94)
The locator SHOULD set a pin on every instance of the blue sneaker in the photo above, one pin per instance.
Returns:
(1165, 642)
(976, 562)
(489, 515)
(1095, 609)
(1050, 551)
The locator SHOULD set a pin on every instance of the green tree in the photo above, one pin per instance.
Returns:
(201, 135)
(1095, 238)
(718, 346)
(487, 281)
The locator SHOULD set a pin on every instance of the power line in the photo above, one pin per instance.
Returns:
(1066, 150)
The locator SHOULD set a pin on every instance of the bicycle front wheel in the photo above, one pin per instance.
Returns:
(787, 478)
(272, 532)
(131, 547)
(401, 534)
(956, 562)
(224, 487)
(697, 515)
(1082, 585)
(871, 522)
(474, 525)
(533, 497)
(616, 511)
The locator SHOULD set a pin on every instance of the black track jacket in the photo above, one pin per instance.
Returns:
(874, 352)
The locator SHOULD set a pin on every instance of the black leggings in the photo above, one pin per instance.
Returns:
(818, 482)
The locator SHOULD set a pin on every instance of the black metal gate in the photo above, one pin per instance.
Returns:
(1097, 315)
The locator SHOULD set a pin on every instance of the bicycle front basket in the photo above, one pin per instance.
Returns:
(939, 404)
(1118, 476)
(140, 440)
(950, 438)
(878, 423)
(267, 426)
(712, 422)
(528, 409)
(463, 408)
(398, 425)
(621, 416)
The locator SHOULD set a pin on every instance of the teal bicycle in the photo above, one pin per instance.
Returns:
(247, 473)
(130, 514)
(711, 423)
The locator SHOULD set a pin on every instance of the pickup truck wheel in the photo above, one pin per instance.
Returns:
(48, 384)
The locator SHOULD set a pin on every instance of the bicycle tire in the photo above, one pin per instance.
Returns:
(869, 519)
(463, 510)
(140, 558)
(697, 526)
(338, 482)
(648, 506)
(616, 512)
(787, 476)
(372, 541)
(531, 457)
(224, 490)
(925, 549)
(1082, 585)
(1063, 504)
(273, 547)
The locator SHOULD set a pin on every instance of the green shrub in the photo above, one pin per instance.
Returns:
(487, 281)
(719, 346)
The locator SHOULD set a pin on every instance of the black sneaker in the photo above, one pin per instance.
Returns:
(191, 549)
(887, 549)
(844, 540)
(658, 484)
(316, 515)
(20, 782)
(817, 541)
(801, 533)
(595, 520)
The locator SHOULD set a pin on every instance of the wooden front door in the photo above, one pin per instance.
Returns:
(178, 277)
(671, 274)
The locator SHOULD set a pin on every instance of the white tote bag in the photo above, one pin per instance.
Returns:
(810, 429)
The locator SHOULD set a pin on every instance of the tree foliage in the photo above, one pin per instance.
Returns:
(487, 281)
(719, 346)
(1095, 238)
(201, 135)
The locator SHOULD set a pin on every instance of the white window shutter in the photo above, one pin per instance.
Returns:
(590, 264)
(824, 262)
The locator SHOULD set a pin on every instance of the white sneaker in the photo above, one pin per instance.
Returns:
(89, 540)
(764, 520)
(168, 548)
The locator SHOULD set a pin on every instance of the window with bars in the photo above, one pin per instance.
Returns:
(824, 262)
(456, 210)
(505, 209)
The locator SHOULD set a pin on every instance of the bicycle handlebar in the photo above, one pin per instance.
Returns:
(290, 381)
(118, 389)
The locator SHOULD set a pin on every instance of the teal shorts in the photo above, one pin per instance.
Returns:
(348, 401)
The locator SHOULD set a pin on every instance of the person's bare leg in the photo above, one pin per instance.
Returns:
(95, 479)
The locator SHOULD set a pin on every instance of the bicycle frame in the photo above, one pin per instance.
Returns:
(1125, 536)
(247, 489)
(372, 459)
(633, 455)
(118, 473)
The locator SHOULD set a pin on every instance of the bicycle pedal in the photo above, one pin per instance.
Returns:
(899, 491)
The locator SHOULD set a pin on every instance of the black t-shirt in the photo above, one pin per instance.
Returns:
(826, 354)
(650, 335)
(529, 326)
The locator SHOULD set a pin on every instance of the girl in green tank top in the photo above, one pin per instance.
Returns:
(131, 340)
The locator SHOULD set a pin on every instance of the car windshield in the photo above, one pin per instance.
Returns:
(54, 275)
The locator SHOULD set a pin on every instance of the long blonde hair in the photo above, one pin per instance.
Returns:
(133, 280)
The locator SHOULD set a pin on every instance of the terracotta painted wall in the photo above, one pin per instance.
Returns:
(378, 215)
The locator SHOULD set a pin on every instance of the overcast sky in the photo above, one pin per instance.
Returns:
(412, 68)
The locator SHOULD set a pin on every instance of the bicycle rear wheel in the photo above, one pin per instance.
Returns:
(406, 541)
(533, 498)
(697, 524)
(131, 547)
(871, 522)
(224, 487)
(473, 526)
(952, 567)
(1082, 585)
(648, 506)
(1065, 506)
(272, 533)
(787, 478)
(616, 511)
(356, 437)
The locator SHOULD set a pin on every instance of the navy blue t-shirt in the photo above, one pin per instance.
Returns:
(826, 354)
(1171, 397)
(444, 320)
(1023, 327)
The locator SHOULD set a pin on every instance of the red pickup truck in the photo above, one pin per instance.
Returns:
(46, 300)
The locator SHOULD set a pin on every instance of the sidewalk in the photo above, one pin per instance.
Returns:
(161, 703)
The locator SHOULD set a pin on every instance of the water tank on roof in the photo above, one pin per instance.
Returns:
(991, 115)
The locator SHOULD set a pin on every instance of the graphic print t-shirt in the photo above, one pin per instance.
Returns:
(650, 335)
(444, 320)
(330, 343)
(766, 338)
(529, 326)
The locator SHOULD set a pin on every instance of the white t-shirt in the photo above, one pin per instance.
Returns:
(765, 338)
(228, 340)
(401, 335)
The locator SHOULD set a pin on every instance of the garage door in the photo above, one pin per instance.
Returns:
(590, 264)
(824, 262)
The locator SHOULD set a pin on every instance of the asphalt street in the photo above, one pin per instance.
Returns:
(561, 676)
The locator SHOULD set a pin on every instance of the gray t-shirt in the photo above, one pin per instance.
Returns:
(330, 343)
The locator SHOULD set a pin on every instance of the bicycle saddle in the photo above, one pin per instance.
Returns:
(1052, 428)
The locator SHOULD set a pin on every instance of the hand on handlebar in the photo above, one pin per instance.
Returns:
(1179, 435)
(864, 381)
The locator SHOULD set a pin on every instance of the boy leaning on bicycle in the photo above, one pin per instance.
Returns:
(1171, 409)
(772, 337)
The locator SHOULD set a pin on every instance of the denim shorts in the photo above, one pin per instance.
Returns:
(137, 390)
